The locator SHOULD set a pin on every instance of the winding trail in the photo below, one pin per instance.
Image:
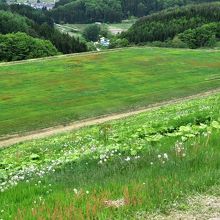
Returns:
(43, 133)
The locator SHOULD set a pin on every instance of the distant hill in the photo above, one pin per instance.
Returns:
(187, 23)
(87, 11)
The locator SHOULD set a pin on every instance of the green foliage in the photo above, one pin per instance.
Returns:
(104, 32)
(20, 46)
(88, 11)
(36, 23)
(63, 42)
(3, 1)
(37, 15)
(118, 42)
(167, 24)
(92, 32)
(204, 36)
(12, 23)
(178, 43)
(90, 46)
(149, 161)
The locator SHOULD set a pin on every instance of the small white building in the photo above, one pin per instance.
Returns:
(104, 41)
(42, 5)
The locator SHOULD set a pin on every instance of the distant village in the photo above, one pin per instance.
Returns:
(36, 5)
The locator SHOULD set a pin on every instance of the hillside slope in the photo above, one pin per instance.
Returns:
(169, 23)
(35, 23)
(87, 11)
(44, 93)
(125, 169)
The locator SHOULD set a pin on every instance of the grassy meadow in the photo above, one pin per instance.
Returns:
(47, 92)
(76, 30)
(123, 169)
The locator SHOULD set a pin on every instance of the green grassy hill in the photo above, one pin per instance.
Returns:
(125, 169)
(41, 93)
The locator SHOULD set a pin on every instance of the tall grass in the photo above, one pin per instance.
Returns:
(121, 170)
(164, 174)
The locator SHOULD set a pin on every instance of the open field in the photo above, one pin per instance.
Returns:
(119, 27)
(44, 133)
(43, 93)
(126, 169)
(72, 29)
(76, 30)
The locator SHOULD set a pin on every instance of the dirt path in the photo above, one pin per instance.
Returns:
(201, 207)
(93, 121)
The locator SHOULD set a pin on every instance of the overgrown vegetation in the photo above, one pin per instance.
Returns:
(123, 169)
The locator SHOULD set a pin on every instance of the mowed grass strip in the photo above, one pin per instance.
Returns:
(44, 93)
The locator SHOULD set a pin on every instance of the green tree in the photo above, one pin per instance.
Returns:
(141, 9)
(20, 46)
(10, 22)
(169, 23)
(204, 36)
(91, 32)
(117, 42)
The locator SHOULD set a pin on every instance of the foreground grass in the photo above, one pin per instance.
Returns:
(44, 93)
(140, 164)
(82, 191)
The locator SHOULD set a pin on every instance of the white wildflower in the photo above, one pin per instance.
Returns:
(75, 191)
(165, 156)
(127, 159)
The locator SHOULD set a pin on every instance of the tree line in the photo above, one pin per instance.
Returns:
(88, 11)
(36, 24)
(195, 23)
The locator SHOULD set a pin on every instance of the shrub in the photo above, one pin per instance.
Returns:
(19, 46)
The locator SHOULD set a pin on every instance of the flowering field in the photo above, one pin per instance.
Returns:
(59, 90)
(123, 169)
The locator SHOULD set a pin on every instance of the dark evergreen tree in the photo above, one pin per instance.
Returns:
(167, 24)
(87, 11)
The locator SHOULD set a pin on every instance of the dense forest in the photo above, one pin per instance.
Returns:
(194, 25)
(36, 24)
(88, 11)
